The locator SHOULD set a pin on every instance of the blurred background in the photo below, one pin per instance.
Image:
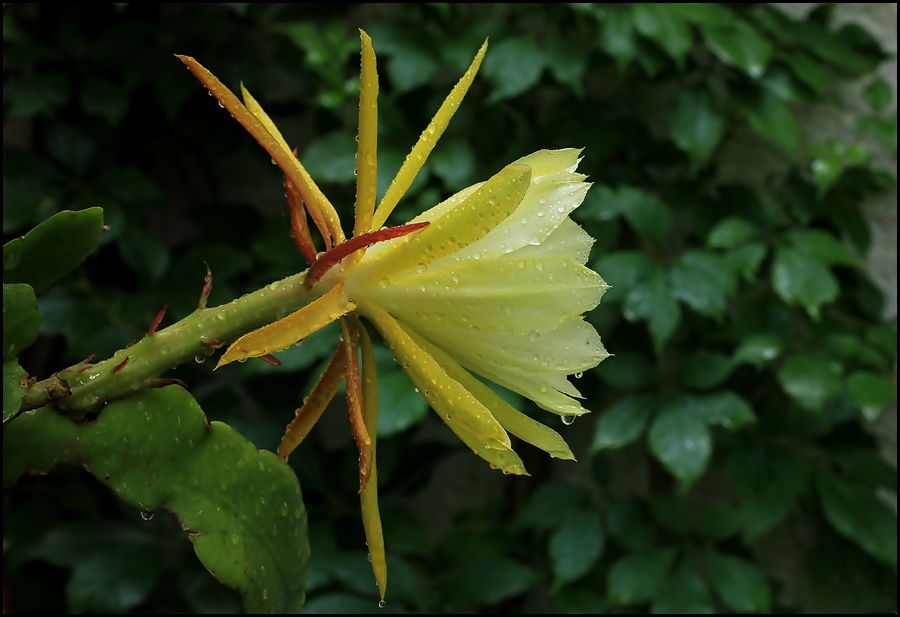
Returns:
(741, 456)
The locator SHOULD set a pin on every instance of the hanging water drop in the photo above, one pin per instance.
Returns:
(147, 516)
(579, 375)
(568, 420)
(200, 358)
(381, 604)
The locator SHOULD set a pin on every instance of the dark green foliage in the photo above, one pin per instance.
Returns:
(731, 463)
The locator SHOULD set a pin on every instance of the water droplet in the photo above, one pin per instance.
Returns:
(147, 515)
(200, 358)
(579, 375)
(274, 162)
(533, 335)
(381, 604)
(235, 539)
(567, 420)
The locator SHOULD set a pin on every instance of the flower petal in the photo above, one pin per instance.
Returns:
(368, 498)
(313, 406)
(427, 140)
(278, 150)
(465, 224)
(354, 402)
(295, 327)
(510, 418)
(367, 153)
(461, 411)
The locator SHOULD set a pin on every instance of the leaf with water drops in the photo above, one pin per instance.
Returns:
(680, 439)
(871, 392)
(21, 319)
(52, 249)
(811, 381)
(241, 507)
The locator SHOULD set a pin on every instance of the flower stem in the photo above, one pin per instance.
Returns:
(136, 367)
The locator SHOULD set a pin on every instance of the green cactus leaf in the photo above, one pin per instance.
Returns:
(241, 507)
(21, 319)
(13, 392)
(52, 249)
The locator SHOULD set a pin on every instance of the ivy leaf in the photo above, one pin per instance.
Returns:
(740, 46)
(617, 37)
(800, 278)
(705, 369)
(739, 584)
(768, 481)
(649, 217)
(821, 245)
(871, 392)
(547, 506)
(857, 513)
(757, 349)
(622, 271)
(701, 280)
(637, 577)
(725, 409)
(488, 579)
(454, 163)
(731, 233)
(683, 592)
(653, 300)
(696, 125)
(155, 449)
(52, 249)
(746, 259)
(807, 70)
(680, 440)
(623, 423)
(665, 27)
(567, 61)
(629, 371)
(771, 118)
(332, 158)
(810, 381)
(878, 94)
(575, 546)
(514, 65)
(630, 524)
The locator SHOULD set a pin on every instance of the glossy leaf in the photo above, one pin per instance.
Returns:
(705, 369)
(822, 245)
(701, 280)
(857, 513)
(757, 349)
(514, 65)
(871, 392)
(400, 404)
(731, 233)
(52, 249)
(768, 481)
(742, 47)
(622, 271)
(683, 592)
(637, 577)
(878, 94)
(771, 118)
(575, 546)
(802, 279)
(240, 507)
(488, 579)
(811, 381)
(624, 422)
(617, 37)
(665, 27)
(649, 216)
(696, 125)
(629, 371)
(21, 319)
(653, 301)
(746, 259)
(680, 440)
(739, 584)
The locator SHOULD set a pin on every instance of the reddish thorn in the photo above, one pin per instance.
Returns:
(89, 358)
(103, 398)
(271, 359)
(87, 368)
(162, 383)
(211, 344)
(207, 287)
(333, 256)
(156, 321)
(120, 365)
(131, 344)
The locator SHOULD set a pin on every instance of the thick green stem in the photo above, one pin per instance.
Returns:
(134, 368)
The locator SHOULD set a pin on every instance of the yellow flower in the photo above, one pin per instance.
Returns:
(490, 281)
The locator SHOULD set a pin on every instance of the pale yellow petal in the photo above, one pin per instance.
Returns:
(427, 140)
(460, 410)
(295, 327)
(256, 109)
(511, 419)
